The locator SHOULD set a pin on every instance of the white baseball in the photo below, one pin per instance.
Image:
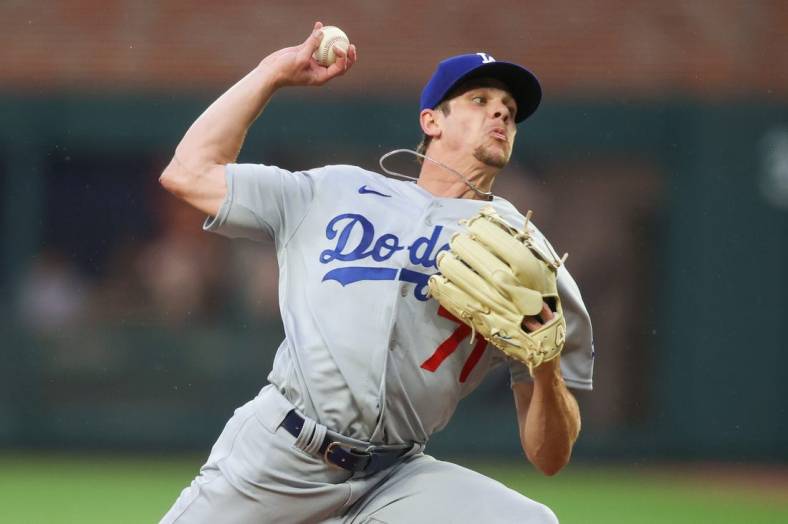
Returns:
(332, 36)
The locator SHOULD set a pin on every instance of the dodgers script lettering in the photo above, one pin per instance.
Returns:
(355, 239)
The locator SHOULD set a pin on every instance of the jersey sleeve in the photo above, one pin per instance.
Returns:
(263, 202)
(577, 358)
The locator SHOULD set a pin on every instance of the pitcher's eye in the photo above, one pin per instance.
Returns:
(478, 99)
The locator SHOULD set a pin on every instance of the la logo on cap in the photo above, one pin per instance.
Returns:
(520, 82)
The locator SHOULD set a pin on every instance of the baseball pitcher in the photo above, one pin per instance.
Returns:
(397, 298)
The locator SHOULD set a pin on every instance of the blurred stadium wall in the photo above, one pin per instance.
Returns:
(659, 160)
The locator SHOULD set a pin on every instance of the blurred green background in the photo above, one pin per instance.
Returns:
(120, 488)
(658, 160)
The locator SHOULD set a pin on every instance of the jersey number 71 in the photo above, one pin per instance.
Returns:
(450, 345)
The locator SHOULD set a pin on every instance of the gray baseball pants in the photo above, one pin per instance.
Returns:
(256, 473)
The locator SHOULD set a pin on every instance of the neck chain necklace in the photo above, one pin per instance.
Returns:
(487, 195)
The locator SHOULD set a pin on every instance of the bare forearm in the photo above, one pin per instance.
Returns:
(217, 135)
(552, 423)
(196, 173)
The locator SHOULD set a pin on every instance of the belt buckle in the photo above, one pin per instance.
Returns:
(350, 450)
(331, 446)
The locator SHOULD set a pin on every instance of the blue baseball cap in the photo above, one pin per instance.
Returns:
(522, 84)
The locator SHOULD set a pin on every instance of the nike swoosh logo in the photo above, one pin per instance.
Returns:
(364, 190)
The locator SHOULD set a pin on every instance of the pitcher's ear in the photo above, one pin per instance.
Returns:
(429, 123)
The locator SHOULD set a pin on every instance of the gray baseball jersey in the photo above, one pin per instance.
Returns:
(366, 352)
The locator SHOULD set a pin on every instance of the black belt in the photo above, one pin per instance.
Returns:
(369, 460)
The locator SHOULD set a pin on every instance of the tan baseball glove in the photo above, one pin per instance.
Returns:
(493, 277)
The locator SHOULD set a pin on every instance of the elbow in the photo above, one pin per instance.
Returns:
(550, 464)
(202, 187)
(173, 179)
(549, 469)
